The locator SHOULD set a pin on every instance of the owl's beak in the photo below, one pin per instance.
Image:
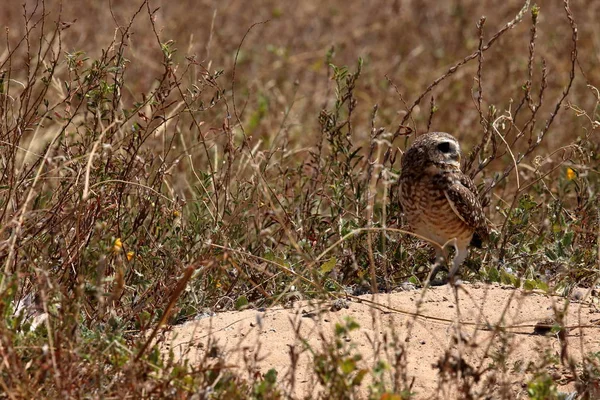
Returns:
(454, 159)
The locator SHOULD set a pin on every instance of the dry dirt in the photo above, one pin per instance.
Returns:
(265, 337)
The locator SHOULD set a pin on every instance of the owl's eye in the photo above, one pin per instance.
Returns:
(444, 147)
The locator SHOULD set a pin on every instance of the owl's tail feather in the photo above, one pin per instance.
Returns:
(481, 235)
(477, 241)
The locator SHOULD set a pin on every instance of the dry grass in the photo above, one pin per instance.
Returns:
(234, 152)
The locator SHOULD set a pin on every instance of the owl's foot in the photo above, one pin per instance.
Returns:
(431, 281)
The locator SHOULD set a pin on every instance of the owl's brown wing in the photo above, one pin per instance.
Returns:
(462, 197)
(482, 232)
(468, 183)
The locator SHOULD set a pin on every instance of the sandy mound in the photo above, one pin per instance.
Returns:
(264, 339)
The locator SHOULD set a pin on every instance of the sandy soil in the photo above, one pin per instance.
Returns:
(258, 340)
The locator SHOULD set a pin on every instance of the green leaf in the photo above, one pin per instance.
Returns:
(567, 239)
(340, 329)
(526, 203)
(271, 376)
(347, 366)
(551, 255)
(506, 278)
(359, 377)
(328, 265)
(241, 302)
(529, 284)
(351, 324)
(542, 286)
(516, 282)
(493, 275)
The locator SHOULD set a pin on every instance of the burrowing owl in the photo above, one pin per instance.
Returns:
(440, 202)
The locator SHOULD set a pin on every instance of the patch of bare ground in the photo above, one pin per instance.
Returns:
(501, 335)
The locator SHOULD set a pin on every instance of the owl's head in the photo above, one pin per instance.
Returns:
(435, 148)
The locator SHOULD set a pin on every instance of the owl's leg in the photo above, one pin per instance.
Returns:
(459, 257)
(437, 265)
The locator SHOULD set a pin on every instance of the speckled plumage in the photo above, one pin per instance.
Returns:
(440, 203)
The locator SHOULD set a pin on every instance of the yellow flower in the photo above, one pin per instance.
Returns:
(176, 214)
(130, 255)
(118, 245)
(571, 174)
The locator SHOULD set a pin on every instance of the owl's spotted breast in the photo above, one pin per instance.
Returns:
(430, 214)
